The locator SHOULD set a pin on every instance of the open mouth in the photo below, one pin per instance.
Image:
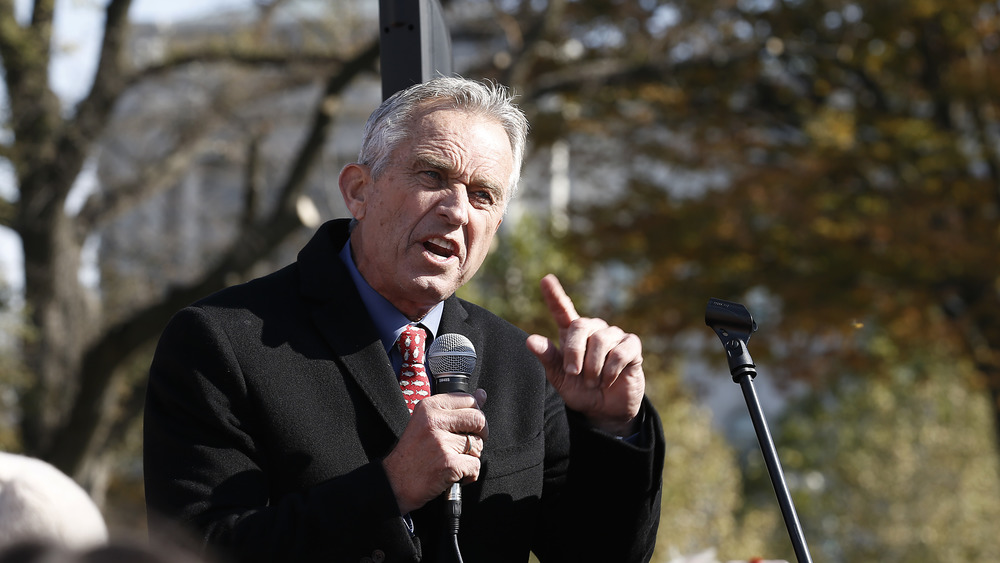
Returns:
(440, 247)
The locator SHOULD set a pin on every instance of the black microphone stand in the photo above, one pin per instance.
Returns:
(734, 325)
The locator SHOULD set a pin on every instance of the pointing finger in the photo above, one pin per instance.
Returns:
(558, 302)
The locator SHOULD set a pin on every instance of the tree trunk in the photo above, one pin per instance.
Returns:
(59, 322)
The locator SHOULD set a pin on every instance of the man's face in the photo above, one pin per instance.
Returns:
(426, 225)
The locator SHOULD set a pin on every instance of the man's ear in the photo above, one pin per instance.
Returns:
(354, 180)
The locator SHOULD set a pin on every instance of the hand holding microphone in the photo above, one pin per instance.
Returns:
(444, 439)
(451, 360)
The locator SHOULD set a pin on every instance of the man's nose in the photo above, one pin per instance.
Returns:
(454, 205)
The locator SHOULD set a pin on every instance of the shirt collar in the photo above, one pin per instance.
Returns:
(389, 322)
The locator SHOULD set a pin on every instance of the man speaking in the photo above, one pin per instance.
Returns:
(292, 418)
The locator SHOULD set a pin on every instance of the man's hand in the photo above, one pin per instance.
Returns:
(597, 368)
(441, 445)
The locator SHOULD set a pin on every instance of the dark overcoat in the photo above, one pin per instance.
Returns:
(271, 404)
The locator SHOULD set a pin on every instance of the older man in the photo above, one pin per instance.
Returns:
(281, 422)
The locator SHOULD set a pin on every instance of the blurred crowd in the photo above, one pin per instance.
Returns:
(45, 517)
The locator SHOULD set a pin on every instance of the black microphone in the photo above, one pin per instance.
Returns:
(451, 359)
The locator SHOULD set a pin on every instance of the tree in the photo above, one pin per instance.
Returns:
(837, 162)
(833, 164)
(867, 456)
(72, 350)
(703, 505)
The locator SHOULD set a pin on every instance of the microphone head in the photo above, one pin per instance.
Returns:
(451, 359)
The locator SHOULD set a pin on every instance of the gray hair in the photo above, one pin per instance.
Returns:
(390, 123)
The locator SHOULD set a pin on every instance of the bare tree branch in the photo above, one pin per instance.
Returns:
(322, 118)
(109, 80)
(251, 198)
(7, 16)
(54, 150)
(105, 206)
(165, 173)
(267, 11)
(24, 53)
(11, 36)
(42, 13)
(85, 422)
(239, 56)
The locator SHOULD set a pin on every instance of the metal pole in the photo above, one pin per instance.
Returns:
(415, 43)
(734, 325)
(774, 470)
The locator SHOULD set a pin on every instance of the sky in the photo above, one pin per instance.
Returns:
(77, 40)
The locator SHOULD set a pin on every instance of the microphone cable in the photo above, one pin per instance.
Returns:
(454, 506)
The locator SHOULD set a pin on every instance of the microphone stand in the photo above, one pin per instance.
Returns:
(733, 324)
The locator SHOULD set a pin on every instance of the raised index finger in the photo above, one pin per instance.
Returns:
(558, 302)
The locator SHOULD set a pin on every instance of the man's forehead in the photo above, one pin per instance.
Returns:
(444, 116)
(460, 134)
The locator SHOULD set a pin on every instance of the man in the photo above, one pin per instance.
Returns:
(275, 423)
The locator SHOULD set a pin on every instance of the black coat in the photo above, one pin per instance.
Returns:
(271, 405)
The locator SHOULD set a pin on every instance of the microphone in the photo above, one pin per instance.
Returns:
(451, 359)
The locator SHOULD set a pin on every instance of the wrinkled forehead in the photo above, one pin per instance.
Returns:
(462, 137)
(445, 105)
(408, 127)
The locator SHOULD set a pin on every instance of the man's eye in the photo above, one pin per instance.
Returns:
(482, 197)
(433, 174)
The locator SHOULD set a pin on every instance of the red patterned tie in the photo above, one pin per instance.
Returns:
(412, 377)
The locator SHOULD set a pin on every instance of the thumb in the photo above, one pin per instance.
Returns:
(547, 353)
(480, 395)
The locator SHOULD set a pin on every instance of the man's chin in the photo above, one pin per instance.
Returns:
(436, 289)
(432, 289)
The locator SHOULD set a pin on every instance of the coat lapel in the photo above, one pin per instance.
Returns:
(346, 326)
(363, 359)
(455, 318)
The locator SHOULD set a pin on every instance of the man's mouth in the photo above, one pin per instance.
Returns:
(440, 247)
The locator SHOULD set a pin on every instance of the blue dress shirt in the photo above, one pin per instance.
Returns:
(389, 322)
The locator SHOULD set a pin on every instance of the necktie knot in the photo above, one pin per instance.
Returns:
(412, 344)
(413, 380)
